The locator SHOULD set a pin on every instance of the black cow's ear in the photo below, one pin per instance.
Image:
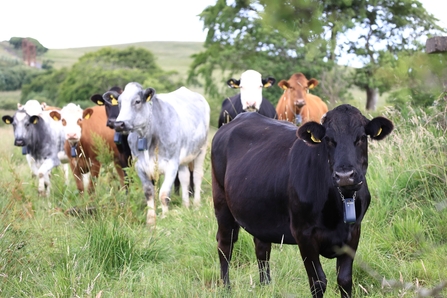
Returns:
(34, 119)
(97, 99)
(378, 128)
(7, 119)
(148, 94)
(232, 83)
(111, 97)
(311, 132)
(268, 82)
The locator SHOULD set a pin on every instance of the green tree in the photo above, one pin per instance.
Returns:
(45, 86)
(238, 39)
(384, 29)
(16, 42)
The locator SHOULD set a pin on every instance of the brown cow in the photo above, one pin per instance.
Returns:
(297, 105)
(81, 127)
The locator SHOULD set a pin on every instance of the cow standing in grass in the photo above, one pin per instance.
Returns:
(249, 99)
(42, 140)
(304, 186)
(80, 128)
(167, 132)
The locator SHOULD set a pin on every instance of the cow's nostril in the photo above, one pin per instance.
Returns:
(344, 178)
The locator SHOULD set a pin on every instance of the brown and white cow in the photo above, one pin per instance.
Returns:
(81, 127)
(297, 105)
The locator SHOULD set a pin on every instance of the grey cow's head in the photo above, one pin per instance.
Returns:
(135, 107)
(344, 132)
(23, 125)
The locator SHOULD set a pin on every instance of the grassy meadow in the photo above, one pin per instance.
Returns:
(57, 247)
(52, 247)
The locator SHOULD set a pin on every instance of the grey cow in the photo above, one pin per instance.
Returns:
(43, 140)
(167, 132)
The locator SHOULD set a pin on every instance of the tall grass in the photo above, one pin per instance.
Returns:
(46, 252)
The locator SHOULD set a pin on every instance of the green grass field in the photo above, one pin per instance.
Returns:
(46, 252)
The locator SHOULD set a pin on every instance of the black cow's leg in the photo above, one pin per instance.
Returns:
(315, 273)
(344, 277)
(263, 250)
(344, 265)
(227, 235)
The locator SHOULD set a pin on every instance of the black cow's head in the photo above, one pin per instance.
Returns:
(344, 132)
(110, 101)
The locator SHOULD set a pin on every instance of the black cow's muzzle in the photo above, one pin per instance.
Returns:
(111, 123)
(348, 180)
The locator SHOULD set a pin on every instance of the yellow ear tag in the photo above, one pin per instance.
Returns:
(87, 117)
(284, 87)
(314, 139)
(266, 85)
(35, 121)
(7, 121)
(114, 100)
(379, 132)
(148, 98)
(311, 86)
(55, 118)
(99, 103)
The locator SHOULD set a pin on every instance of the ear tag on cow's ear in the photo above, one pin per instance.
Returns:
(99, 103)
(7, 121)
(73, 151)
(55, 118)
(284, 87)
(35, 120)
(24, 150)
(349, 216)
(379, 132)
(313, 138)
(114, 100)
(118, 138)
(142, 144)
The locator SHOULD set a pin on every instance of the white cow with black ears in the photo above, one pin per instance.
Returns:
(167, 132)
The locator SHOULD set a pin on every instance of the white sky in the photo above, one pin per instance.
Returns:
(59, 24)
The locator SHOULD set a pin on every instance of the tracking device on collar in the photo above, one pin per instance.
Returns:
(24, 150)
(73, 151)
(118, 138)
(142, 144)
(349, 210)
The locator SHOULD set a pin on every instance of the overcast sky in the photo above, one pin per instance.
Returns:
(60, 24)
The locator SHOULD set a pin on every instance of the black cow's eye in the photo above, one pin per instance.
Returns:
(361, 140)
(137, 102)
(331, 143)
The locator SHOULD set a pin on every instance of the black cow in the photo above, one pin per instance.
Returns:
(249, 99)
(112, 111)
(304, 187)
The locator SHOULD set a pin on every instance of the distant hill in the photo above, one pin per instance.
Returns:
(171, 55)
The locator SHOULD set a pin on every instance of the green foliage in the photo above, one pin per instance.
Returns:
(45, 87)
(12, 78)
(16, 42)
